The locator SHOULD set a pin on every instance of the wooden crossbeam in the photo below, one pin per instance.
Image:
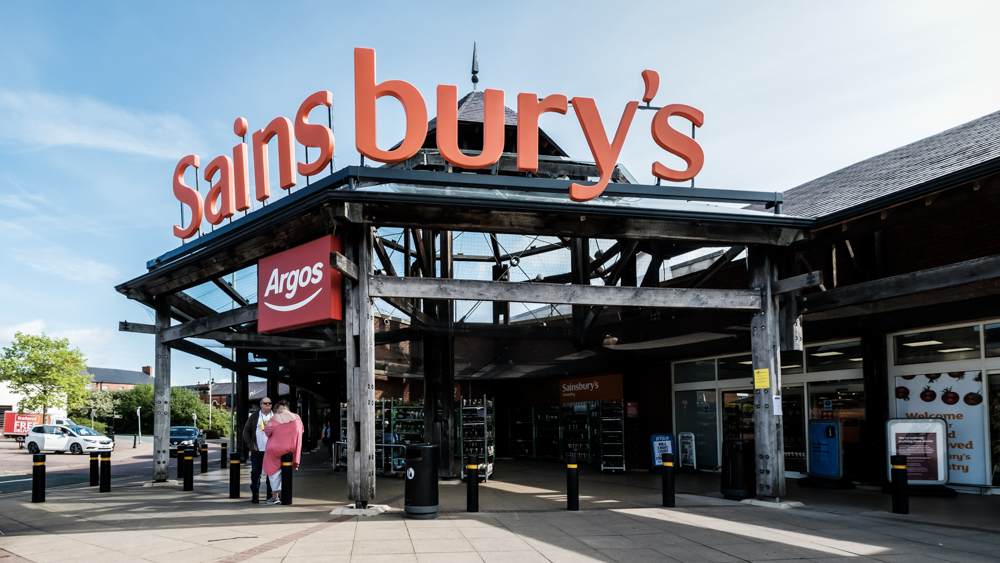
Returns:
(469, 290)
(125, 326)
(346, 268)
(250, 340)
(210, 323)
(229, 290)
(218, 359)
(942, 277)
(797, 283)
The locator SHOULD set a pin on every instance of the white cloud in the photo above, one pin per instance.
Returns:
(47, 120)
(93, 342)
(36, 326)
(61, 262)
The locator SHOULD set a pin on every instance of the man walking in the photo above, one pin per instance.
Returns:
(256, 440)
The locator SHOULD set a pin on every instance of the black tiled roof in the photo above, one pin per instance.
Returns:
(471, 107)
(933, 158)
(124, 376)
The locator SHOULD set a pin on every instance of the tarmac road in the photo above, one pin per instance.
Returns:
(66, 469)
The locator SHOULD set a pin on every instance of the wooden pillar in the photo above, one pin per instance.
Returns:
(272, 384)
(446, 365)
(360, 363)
(875, 366)
(579, 273)
(242, 399)
(432, 372)
(501, 309)
(161, 394)
(765, 345)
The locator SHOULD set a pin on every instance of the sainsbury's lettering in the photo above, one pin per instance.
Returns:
(230, 192)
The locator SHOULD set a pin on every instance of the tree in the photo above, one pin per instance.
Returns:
(183, 404)
(101, 402)
(45, 371)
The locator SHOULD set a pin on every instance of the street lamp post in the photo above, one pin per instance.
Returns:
(210, 382)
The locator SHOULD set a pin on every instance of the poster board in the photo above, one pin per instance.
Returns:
(957, 397)
(826, 451)
(661, 444)
(924, 442)
(686, 446)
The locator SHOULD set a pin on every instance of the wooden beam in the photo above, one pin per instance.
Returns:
(190, 306)
(978, 269)
(346, 268)
(437, 288)
(797, 283)
(247, 340)
(410, 309)
(216, 358)
(719, 264)
(383, 257)
(210, 323)
(125, 326)
(229, 290)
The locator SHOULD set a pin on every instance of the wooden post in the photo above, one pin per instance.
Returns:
(161, 394)
(242, 400)
(580, 273)
(446, 365)
(360, 352)
(272, 384)
(765, 344)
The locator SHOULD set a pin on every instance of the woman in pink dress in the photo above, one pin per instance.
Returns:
(284, 436)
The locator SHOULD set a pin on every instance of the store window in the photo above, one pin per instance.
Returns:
(843, 401)
(994, 403)
(792, 363)
(830, 357)
(737, 414)
(691, 372)
(736, 367)
(992, 337)
(793, 406)
(946, 345)
(696, 413)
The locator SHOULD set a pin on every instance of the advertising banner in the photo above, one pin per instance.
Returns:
(298, 288)
(687, 447)
(17, 423)
(662, 444)
(956, 397)
(924, 442)
(594, 388)
(826, 457)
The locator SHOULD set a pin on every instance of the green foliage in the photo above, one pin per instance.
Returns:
(45, 371)
(183, 404)
(100, 401)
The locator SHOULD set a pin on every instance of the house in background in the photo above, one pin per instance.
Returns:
(110, 379)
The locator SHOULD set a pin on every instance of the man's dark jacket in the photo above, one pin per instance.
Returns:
(250, 431)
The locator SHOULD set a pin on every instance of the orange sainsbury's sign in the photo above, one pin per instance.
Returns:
(229, 177)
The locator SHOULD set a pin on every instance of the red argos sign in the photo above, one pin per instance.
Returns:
(298, 288)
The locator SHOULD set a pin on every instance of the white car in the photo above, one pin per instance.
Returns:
(73, 439)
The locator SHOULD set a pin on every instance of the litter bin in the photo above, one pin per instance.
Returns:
(738, 480)
(109, 431)
(421, 494)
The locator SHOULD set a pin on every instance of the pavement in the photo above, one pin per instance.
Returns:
(522, 519)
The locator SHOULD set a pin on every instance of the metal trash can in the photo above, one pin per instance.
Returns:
(738, 479)
(421, 494)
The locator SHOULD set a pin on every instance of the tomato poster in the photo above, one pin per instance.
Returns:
(957, 397)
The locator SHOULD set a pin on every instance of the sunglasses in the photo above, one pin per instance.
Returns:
(265, 403)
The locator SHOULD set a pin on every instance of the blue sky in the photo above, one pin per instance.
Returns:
(98, 100)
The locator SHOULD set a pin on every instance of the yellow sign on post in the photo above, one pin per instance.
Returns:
(761, 378)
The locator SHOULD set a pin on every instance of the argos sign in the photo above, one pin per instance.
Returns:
(298, 288)
(229, 177)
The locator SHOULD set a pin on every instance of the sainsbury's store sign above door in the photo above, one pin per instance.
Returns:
(298, 288)
(229, 177)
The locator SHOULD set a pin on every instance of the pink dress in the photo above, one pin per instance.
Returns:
(282, 438)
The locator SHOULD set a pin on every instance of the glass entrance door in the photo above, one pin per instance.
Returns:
(794, 424)
(843, 401)
(737, 414)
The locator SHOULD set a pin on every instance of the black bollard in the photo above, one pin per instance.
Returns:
(900, 495)
(95, 470)
(204, 459)
(234, 475)
(572, 483)
(135, 441)
(180, 463)
(189, 468)
(668, 480)
(286, 479)
(38, 478)
(225, 456)
(472, 474)
(105, 472)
